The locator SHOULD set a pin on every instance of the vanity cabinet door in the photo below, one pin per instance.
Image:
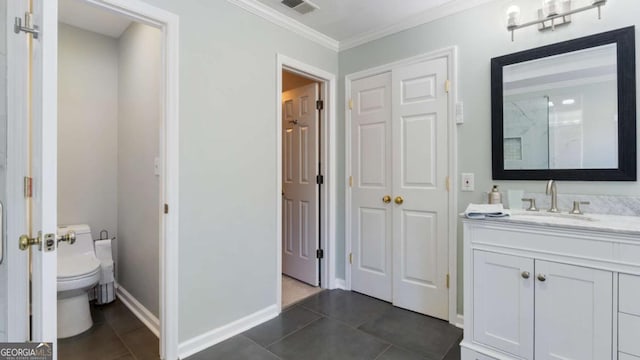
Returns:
(573, 312)
(503, 302)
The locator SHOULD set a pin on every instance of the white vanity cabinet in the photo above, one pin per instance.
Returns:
(534, 291)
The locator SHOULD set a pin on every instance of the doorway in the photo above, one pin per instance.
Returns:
(305, 180)
(109, 167)
(301, 187)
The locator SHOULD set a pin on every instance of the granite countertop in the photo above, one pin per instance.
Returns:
(598, 222)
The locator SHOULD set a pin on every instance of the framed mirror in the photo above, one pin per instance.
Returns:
(566, 111)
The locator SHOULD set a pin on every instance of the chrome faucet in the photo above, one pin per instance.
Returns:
(553, 191)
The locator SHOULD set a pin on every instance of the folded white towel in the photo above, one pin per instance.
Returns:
(480, 211)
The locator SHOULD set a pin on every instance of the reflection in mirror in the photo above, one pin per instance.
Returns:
(560, 112)
(566, 111)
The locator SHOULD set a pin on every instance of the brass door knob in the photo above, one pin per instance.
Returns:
(69, 237)
(399, 200)
(386, 199)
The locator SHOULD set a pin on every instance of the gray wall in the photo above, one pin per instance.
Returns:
(87, 129)
(139, 75)
(228, 192)
(480, 35)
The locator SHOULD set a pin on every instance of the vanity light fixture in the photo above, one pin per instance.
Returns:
(552, 14)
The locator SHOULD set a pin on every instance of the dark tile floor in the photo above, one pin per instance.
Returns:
(342, 325)
(116, 334)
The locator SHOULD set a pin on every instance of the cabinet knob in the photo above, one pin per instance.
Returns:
(525, 274)
(542, 277)
(386, 199)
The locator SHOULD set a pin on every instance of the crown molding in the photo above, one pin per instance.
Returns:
(267, 13)
(413, 21)
(257, 8)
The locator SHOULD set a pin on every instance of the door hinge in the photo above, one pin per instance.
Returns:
(447, 86)
(319, 254)
(350, 181)
(166, 208)
(28, 187)
(28, 27)
(447, 184)
(448, 280)
(319, 179)
(319, 105)
(350, 104)
(350, 258)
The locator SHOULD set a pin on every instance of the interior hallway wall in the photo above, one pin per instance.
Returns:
(87, 129)
(139, 91)
(480, 34)
(228, 190)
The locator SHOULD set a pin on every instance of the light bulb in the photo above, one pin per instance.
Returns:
(550, 7)
(513, 15)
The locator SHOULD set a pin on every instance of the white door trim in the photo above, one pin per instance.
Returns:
(451, 54)
(328, 159)
(168, 23)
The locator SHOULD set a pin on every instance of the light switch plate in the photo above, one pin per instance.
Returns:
(459, 113)
(467, 182)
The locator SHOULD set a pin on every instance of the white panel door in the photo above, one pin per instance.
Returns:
(28, 103)
(14, 265)
(573, 312)
(300, 191)
(420, 170)
(503, 288)
(371, 271)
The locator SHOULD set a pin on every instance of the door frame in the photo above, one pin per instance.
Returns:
(328, 197)
(168, 23)
(451, 54)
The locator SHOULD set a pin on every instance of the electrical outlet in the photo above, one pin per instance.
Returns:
(468, 182)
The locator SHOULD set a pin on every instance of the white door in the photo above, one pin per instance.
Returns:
(503, 302)
(25, 55)
(420, 189)
(573, 312)
(371, 218)
(300, 190)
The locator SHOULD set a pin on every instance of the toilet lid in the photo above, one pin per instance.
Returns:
(77, 265)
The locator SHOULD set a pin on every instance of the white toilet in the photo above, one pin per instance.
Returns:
(78, 271)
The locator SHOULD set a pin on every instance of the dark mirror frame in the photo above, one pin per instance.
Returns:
(626, 63)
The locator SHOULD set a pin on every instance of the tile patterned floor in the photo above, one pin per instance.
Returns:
(342, 325)
(331, 325)
(116, 334)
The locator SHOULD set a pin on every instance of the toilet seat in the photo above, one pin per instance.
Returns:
(77, 266)
(78, 271)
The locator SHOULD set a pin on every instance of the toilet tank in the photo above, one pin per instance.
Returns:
(83, 244)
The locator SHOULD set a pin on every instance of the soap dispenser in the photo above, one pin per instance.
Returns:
(495, 197)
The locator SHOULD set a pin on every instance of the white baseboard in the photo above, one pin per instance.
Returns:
(206, 340)
(459, 321)
(341, 284)
(141, 312)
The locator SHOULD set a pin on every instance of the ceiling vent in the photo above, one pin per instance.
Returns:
(301, 6)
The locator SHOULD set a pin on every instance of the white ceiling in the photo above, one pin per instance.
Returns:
(81, 14)
(346, 19)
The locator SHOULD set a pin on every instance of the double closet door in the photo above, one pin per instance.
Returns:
(399, 187)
